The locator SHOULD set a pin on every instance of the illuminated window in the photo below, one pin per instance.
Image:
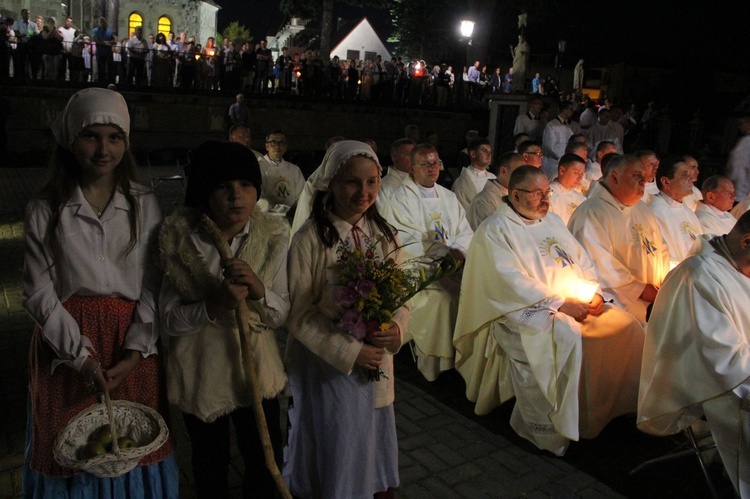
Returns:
(134, 20)
(164, 26)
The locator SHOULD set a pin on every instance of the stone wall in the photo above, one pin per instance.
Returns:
(185, 120)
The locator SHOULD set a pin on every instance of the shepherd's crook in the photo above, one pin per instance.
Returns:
(241, 314)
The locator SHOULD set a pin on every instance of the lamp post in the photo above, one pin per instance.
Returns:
(560, 51)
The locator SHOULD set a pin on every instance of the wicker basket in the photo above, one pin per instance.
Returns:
(136, 421)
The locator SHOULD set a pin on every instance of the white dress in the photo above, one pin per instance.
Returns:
(342, 440)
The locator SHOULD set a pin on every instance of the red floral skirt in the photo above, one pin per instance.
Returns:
(57, 397)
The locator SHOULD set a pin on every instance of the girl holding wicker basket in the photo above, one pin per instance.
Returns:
(90, 289)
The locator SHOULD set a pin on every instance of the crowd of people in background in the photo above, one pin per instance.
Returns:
(45, 49)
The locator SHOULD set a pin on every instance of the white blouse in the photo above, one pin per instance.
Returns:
(92, 260)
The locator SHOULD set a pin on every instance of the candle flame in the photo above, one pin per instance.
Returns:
(586, 290)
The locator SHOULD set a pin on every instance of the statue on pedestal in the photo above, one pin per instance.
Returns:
(520, 59)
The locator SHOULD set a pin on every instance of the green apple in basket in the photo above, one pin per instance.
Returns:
(104, 436)
(91, 449)
(126, 443)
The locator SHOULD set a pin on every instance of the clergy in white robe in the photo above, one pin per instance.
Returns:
(431, 221)
(622, 237)
(531, 122)
(678, 223)
(555, 138)
(602, 131)
(651, 162)
(738, 165)
(713, 210)
(532, 324)
(473, 177)
(594, 168)
(565, 194)
(398, 171)
(486, 202)
(696, 359)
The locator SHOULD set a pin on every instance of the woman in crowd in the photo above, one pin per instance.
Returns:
(90, 289)
(163, 62)
(342, 441)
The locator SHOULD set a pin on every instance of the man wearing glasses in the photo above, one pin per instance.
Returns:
(282, 181)
(622, 237)
(528, 281)
(431, 222)
(531, 153)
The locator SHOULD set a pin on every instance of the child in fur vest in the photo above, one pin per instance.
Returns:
(200, 292)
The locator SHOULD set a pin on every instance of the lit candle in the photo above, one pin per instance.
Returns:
(586, 290)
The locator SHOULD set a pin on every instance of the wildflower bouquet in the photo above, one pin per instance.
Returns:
(372, 289)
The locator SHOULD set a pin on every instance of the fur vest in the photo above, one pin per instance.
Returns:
(205, 372)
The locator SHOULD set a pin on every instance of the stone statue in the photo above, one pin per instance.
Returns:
(578, 76)
(520, 58)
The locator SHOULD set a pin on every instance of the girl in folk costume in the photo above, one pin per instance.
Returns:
(200, 292)
(342, 441)
(91, 291)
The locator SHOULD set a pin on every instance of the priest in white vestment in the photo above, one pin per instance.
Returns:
(602, 131)
(531, 122)
(594, 167)
(678, 223)
(651, 162)
(713, 210)
(486, 202)
(532, 324)
(565, 194)
(398, 171)
(431, 221)
(696, 359)
(555, 138)
(473, 177)
(695, 196)
(622, 237)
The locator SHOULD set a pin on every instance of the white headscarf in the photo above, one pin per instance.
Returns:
(91, 106)
(336, 156)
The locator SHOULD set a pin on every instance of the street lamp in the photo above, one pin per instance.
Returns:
(560, 51)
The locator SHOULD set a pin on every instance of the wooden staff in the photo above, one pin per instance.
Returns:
(242, 314)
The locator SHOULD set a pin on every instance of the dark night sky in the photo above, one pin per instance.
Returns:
(654, 32)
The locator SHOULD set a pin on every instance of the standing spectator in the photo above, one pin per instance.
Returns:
(508, 81)
(536, 84)
(96, 312)
(24, 29)
(105, 39)
(52, 47)
(137, 48)
(473, 79)
(496, 82)
(284, 65)
(120, 60)
(6, 35)
(738, 166)
(68, 34)
(262, 66)
(238, 112)
(335, 408)
(188, 64)
(232, 68)
(150, 59)
(247, 58)
(162, 62)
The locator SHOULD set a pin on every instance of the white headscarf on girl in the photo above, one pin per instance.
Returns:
(336, 156)
(91, 106)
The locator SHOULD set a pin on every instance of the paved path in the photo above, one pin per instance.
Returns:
(444, 451)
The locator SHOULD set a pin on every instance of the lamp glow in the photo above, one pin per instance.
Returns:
(673, 264)
(467, 28)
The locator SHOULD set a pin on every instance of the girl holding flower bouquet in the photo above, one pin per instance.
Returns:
(342, 441)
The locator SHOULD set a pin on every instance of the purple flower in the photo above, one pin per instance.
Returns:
(364, 287)
(360, 267)
(345, 295)
(352, 323)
